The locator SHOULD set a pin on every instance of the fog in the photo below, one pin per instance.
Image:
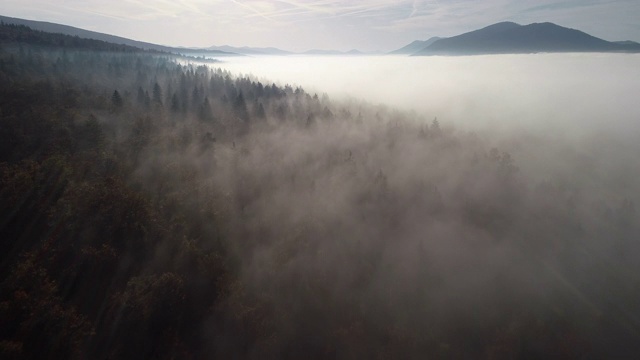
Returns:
(576, 111)
(241, 219)
(504, 212)
(567, 92)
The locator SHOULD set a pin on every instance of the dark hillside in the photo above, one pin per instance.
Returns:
(20, 34)
(73, 32)
(414, 47)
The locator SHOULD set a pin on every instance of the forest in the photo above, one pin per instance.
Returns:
(155, 207)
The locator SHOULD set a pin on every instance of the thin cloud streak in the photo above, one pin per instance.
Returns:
(255, 11)
(342, 25)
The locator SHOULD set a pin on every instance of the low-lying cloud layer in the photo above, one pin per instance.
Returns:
(571, 100)
(431, 229)
(561, 91)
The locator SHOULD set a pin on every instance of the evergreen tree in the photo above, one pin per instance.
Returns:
(175, 103)
(260, 113)
(435, 128)
(116, 99)
(157, 94)
(205, 112)
(240, 107)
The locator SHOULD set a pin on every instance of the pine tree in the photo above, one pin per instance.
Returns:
(157, 94)
(240, 107)
(116, 99)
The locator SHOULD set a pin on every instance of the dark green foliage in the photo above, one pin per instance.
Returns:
(115, 264)
(175, 103)
(150, 312)
(116, 99)
(244, 220)
(20, 34)
(157, 94)
(36, 322)
(260, 113)
(240, 107)
(205, 112)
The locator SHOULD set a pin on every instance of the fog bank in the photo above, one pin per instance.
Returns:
(561, 116)
(566, 92)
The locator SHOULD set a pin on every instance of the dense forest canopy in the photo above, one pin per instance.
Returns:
(152, 208)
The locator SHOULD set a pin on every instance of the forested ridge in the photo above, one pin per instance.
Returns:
(156, 208)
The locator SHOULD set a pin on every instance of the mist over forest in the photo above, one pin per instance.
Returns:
(155, 207)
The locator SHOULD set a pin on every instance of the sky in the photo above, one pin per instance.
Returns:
(299, 25)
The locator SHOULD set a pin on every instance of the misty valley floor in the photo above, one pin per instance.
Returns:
(151, 208)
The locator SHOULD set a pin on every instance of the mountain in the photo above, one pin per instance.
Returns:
(352, 52)
(322, 52)
(217, 51)
(86, 34)
(414, 47)
(245, 50)
(627, 42)
(512, 38)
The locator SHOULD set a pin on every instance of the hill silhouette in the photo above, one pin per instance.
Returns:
(415, 46)
(512, 38)
(93, 35)
(246, 50)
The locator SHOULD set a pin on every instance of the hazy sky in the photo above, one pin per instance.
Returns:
(298, 25)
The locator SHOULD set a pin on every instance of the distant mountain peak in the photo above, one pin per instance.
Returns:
(511, 38)
(247, 50)
(502, 25)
